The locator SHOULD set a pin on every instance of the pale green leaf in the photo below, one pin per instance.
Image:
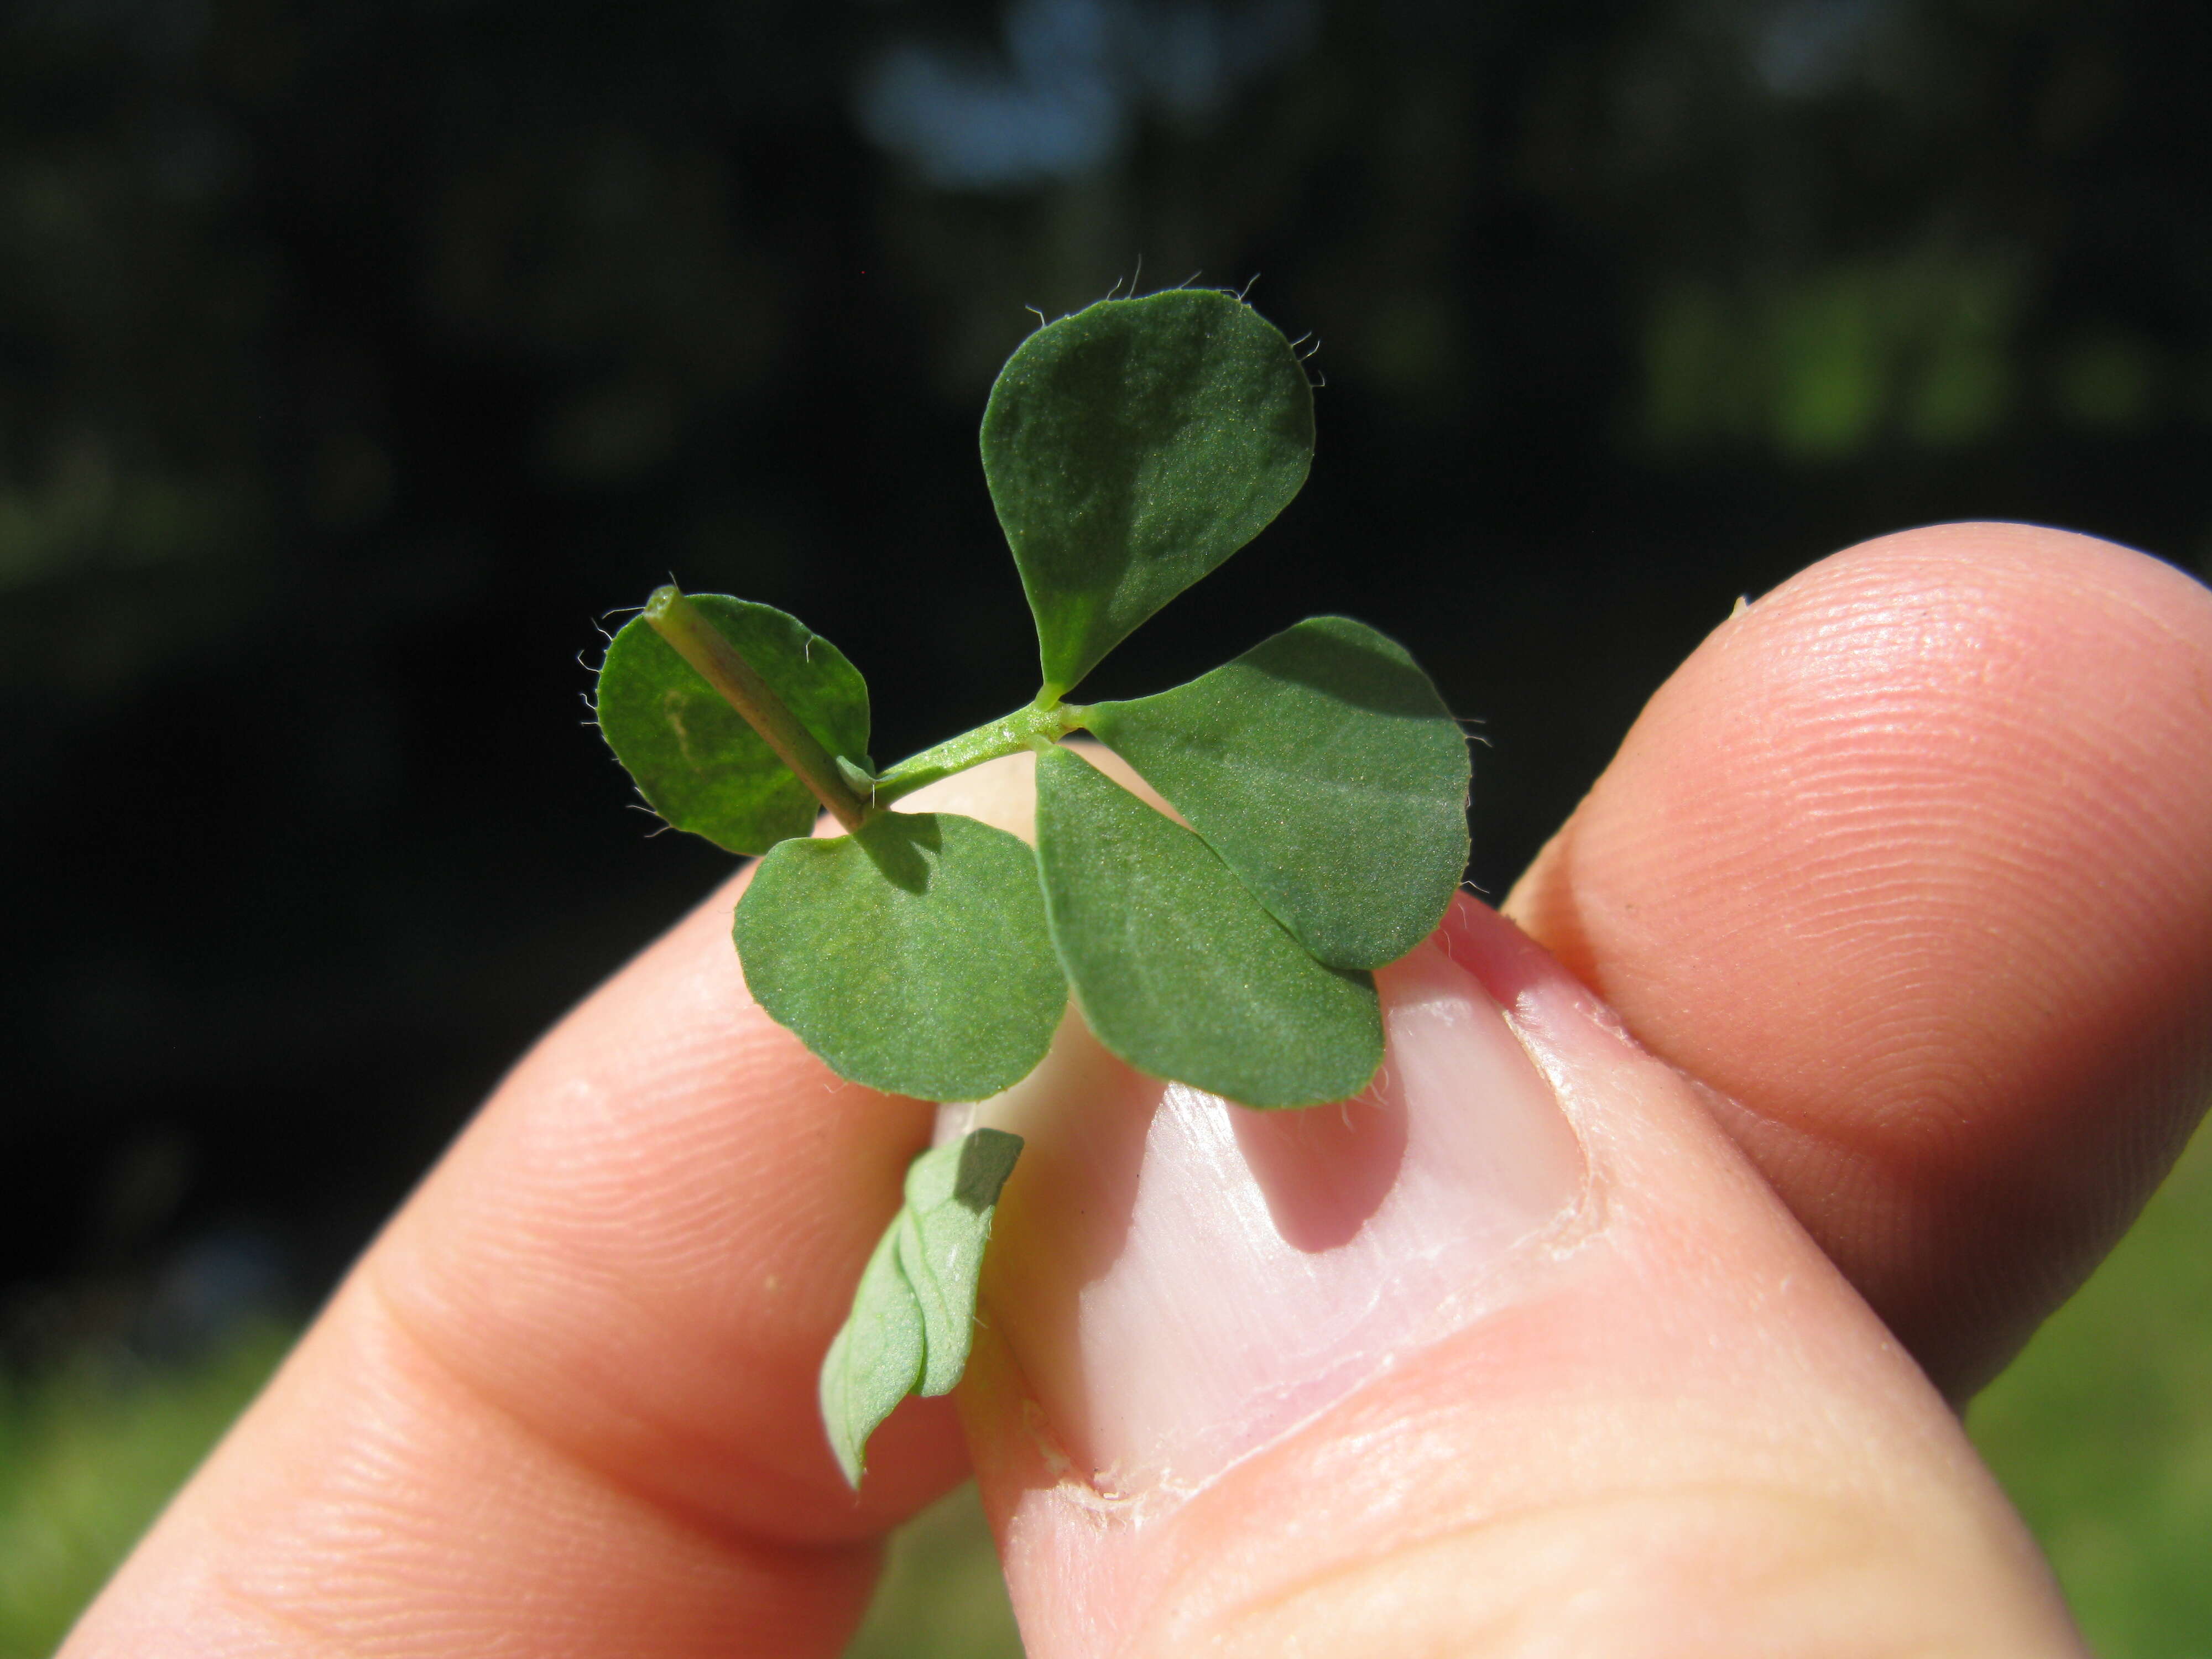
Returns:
(1328, 773)
(951, 1192)
(1176, 965)
(912, 956)
(857, 779)
(1133, 447)
(875, 1358)
(694, 758)
(914, 1314)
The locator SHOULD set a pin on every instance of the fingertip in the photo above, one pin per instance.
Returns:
(1579, 1377)
(1912, 859)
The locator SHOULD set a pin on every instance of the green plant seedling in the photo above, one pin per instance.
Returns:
(1130, 449)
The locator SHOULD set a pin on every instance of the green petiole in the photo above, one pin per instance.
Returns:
(1037, 726)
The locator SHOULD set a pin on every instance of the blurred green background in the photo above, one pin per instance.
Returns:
(355, 358)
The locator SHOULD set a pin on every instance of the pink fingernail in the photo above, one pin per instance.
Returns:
(1183, 1281)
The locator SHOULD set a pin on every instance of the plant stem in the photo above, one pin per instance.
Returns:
(1037, 726)
(697, 641)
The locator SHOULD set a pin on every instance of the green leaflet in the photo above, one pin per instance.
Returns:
(1130, 449)
(694, 758)
(913, 957)
(1176, 965)
(874, 1360)
(913, 1316)
(1328, 773)
(951, 1192)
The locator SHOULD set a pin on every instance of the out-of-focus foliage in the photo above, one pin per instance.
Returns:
(2102, 1430)
(88, 1455)
(941, 1596)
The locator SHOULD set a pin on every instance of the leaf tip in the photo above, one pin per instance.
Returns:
(849, 1441)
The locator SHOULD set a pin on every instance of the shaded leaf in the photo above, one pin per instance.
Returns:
(1176, 965)
(696, 761)
(914, 1314)
(912, 956)
(876, 1358)
(1325, 771)
(1133, 447)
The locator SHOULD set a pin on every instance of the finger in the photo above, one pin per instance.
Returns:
(1912, 861)
(566, 1403)
(1515, 1354)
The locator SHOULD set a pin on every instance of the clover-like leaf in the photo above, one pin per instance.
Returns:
(1130, 449)
(913, 1316)
(693, 757)
(913, 957)
(1176, 965)
(1325, 771)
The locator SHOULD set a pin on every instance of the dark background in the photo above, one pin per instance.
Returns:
(356, 357)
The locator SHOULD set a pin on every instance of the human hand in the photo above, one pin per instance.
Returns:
(1548, 1346)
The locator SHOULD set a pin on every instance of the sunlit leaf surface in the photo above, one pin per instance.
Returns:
(913, 957)
(1325, 771)
(1176, 966)
(1133, 447)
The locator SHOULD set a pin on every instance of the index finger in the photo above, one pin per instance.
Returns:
(565, 1404)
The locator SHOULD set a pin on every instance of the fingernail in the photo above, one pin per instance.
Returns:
(1182, 1281)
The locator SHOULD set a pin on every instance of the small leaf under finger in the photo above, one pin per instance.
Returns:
(914, 1317)
(875, 1359)
(952, 1194)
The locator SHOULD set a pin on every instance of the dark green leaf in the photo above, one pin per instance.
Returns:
(697, 761)
(876, 1358)
(913, 1316)
(1176, 965)
(912, 956)
(1133, 447)
(1326, 773)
